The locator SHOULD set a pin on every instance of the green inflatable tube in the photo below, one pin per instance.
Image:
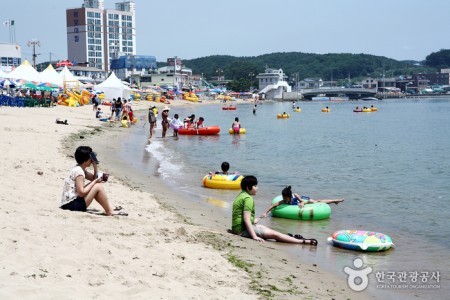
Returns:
(314, 211)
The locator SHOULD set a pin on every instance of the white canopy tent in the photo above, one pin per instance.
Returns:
(113, 88)
(50, 75)
(3, 74)
(25, 71)
(68, 80)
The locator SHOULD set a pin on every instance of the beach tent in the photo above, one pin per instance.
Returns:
(3, 74)
(51, 76)
(113, 88)
(25, 71)
(68, 80)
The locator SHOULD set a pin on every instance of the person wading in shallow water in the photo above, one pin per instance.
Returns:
(165, 120)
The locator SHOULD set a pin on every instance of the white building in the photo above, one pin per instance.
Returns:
(95, 34)
(10, 56)
(272, 84)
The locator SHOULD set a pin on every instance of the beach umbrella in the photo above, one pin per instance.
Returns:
(30, 86)
(48, 84)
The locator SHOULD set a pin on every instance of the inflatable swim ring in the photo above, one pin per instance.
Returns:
(241, 131)
(374, 108)
(220, 181)
(326, 110)
(314, 211)
(357, 110)
(361, 240)
(297, 110)
(283, 116)
(367, 110)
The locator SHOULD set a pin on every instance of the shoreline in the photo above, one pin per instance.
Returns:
(195, 212)
(152, 250)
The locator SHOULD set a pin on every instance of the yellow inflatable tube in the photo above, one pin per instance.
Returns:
(241, 131)
(283, 116)
(219, 181)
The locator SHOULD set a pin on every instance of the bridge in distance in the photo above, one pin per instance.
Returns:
(352, 93)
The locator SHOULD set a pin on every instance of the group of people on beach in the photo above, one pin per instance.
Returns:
(77, 195)
(175, 123)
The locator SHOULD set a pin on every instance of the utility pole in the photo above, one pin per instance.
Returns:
(34, 43)
(50, 54)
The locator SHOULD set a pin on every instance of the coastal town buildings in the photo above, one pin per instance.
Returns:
(10, 56)
(272, 84)
(96, 35)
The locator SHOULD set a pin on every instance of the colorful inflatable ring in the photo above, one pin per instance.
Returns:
(219, 181)
(357, 110)
(374, 109)
(314, 211)
(241, 131)
(297, 110)
(326, 110)
(361, 240)
(367, 110)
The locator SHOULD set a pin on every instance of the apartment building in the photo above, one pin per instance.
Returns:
(96, 35)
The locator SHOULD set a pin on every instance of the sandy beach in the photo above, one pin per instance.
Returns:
(166, 248)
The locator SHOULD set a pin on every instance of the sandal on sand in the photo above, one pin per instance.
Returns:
(312, 242)
(297, 236)
(117, 208)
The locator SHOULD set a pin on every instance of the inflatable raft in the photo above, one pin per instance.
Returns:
(283, 116)
(228, 107)
(210, 130)
(241, 131)
(314, 211)
(361, 240)
(220, 181)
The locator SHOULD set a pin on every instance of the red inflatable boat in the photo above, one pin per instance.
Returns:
(210, 130)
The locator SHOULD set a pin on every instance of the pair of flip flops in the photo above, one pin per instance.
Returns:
(312, 242)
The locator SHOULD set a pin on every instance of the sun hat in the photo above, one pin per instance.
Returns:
(166, 108)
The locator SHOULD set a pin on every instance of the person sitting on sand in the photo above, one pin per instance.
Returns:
(294, 199)
(245, 224)
(76, 195)
(99, 113)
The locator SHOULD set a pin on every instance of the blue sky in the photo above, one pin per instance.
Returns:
(399, 29)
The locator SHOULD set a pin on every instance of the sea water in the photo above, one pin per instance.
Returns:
(390, 166)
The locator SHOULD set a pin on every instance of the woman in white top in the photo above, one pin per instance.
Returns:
(76, 195)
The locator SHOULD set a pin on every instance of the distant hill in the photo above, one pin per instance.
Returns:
(326, 66)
